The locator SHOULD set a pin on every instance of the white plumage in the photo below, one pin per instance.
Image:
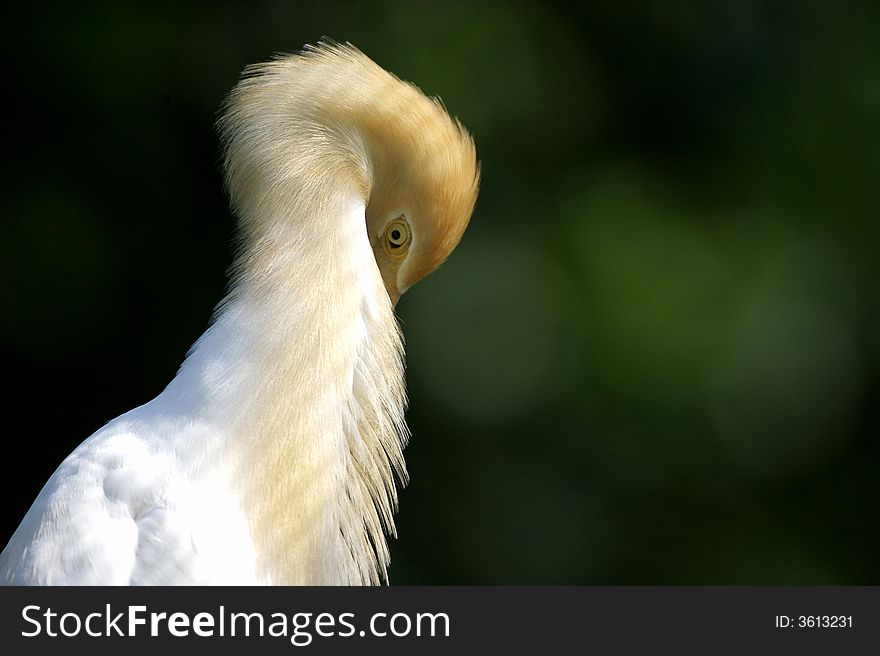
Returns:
(271, 457)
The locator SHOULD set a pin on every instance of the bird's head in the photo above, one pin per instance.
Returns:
(329, 116)
(423, 187)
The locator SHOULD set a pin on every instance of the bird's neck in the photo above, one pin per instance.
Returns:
(302, 372)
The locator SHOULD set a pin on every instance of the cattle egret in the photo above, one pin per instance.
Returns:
(272, 457)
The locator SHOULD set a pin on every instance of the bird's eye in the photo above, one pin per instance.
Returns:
(397, 234)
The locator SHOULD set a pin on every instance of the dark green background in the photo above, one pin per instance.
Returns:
(654, 358)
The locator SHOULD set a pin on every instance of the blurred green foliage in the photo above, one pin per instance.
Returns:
(654, 358)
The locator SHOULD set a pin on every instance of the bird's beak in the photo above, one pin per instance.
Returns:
(390, 283)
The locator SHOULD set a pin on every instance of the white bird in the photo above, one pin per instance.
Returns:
(271, 457)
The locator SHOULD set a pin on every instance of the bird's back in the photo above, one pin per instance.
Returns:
(128, 507)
